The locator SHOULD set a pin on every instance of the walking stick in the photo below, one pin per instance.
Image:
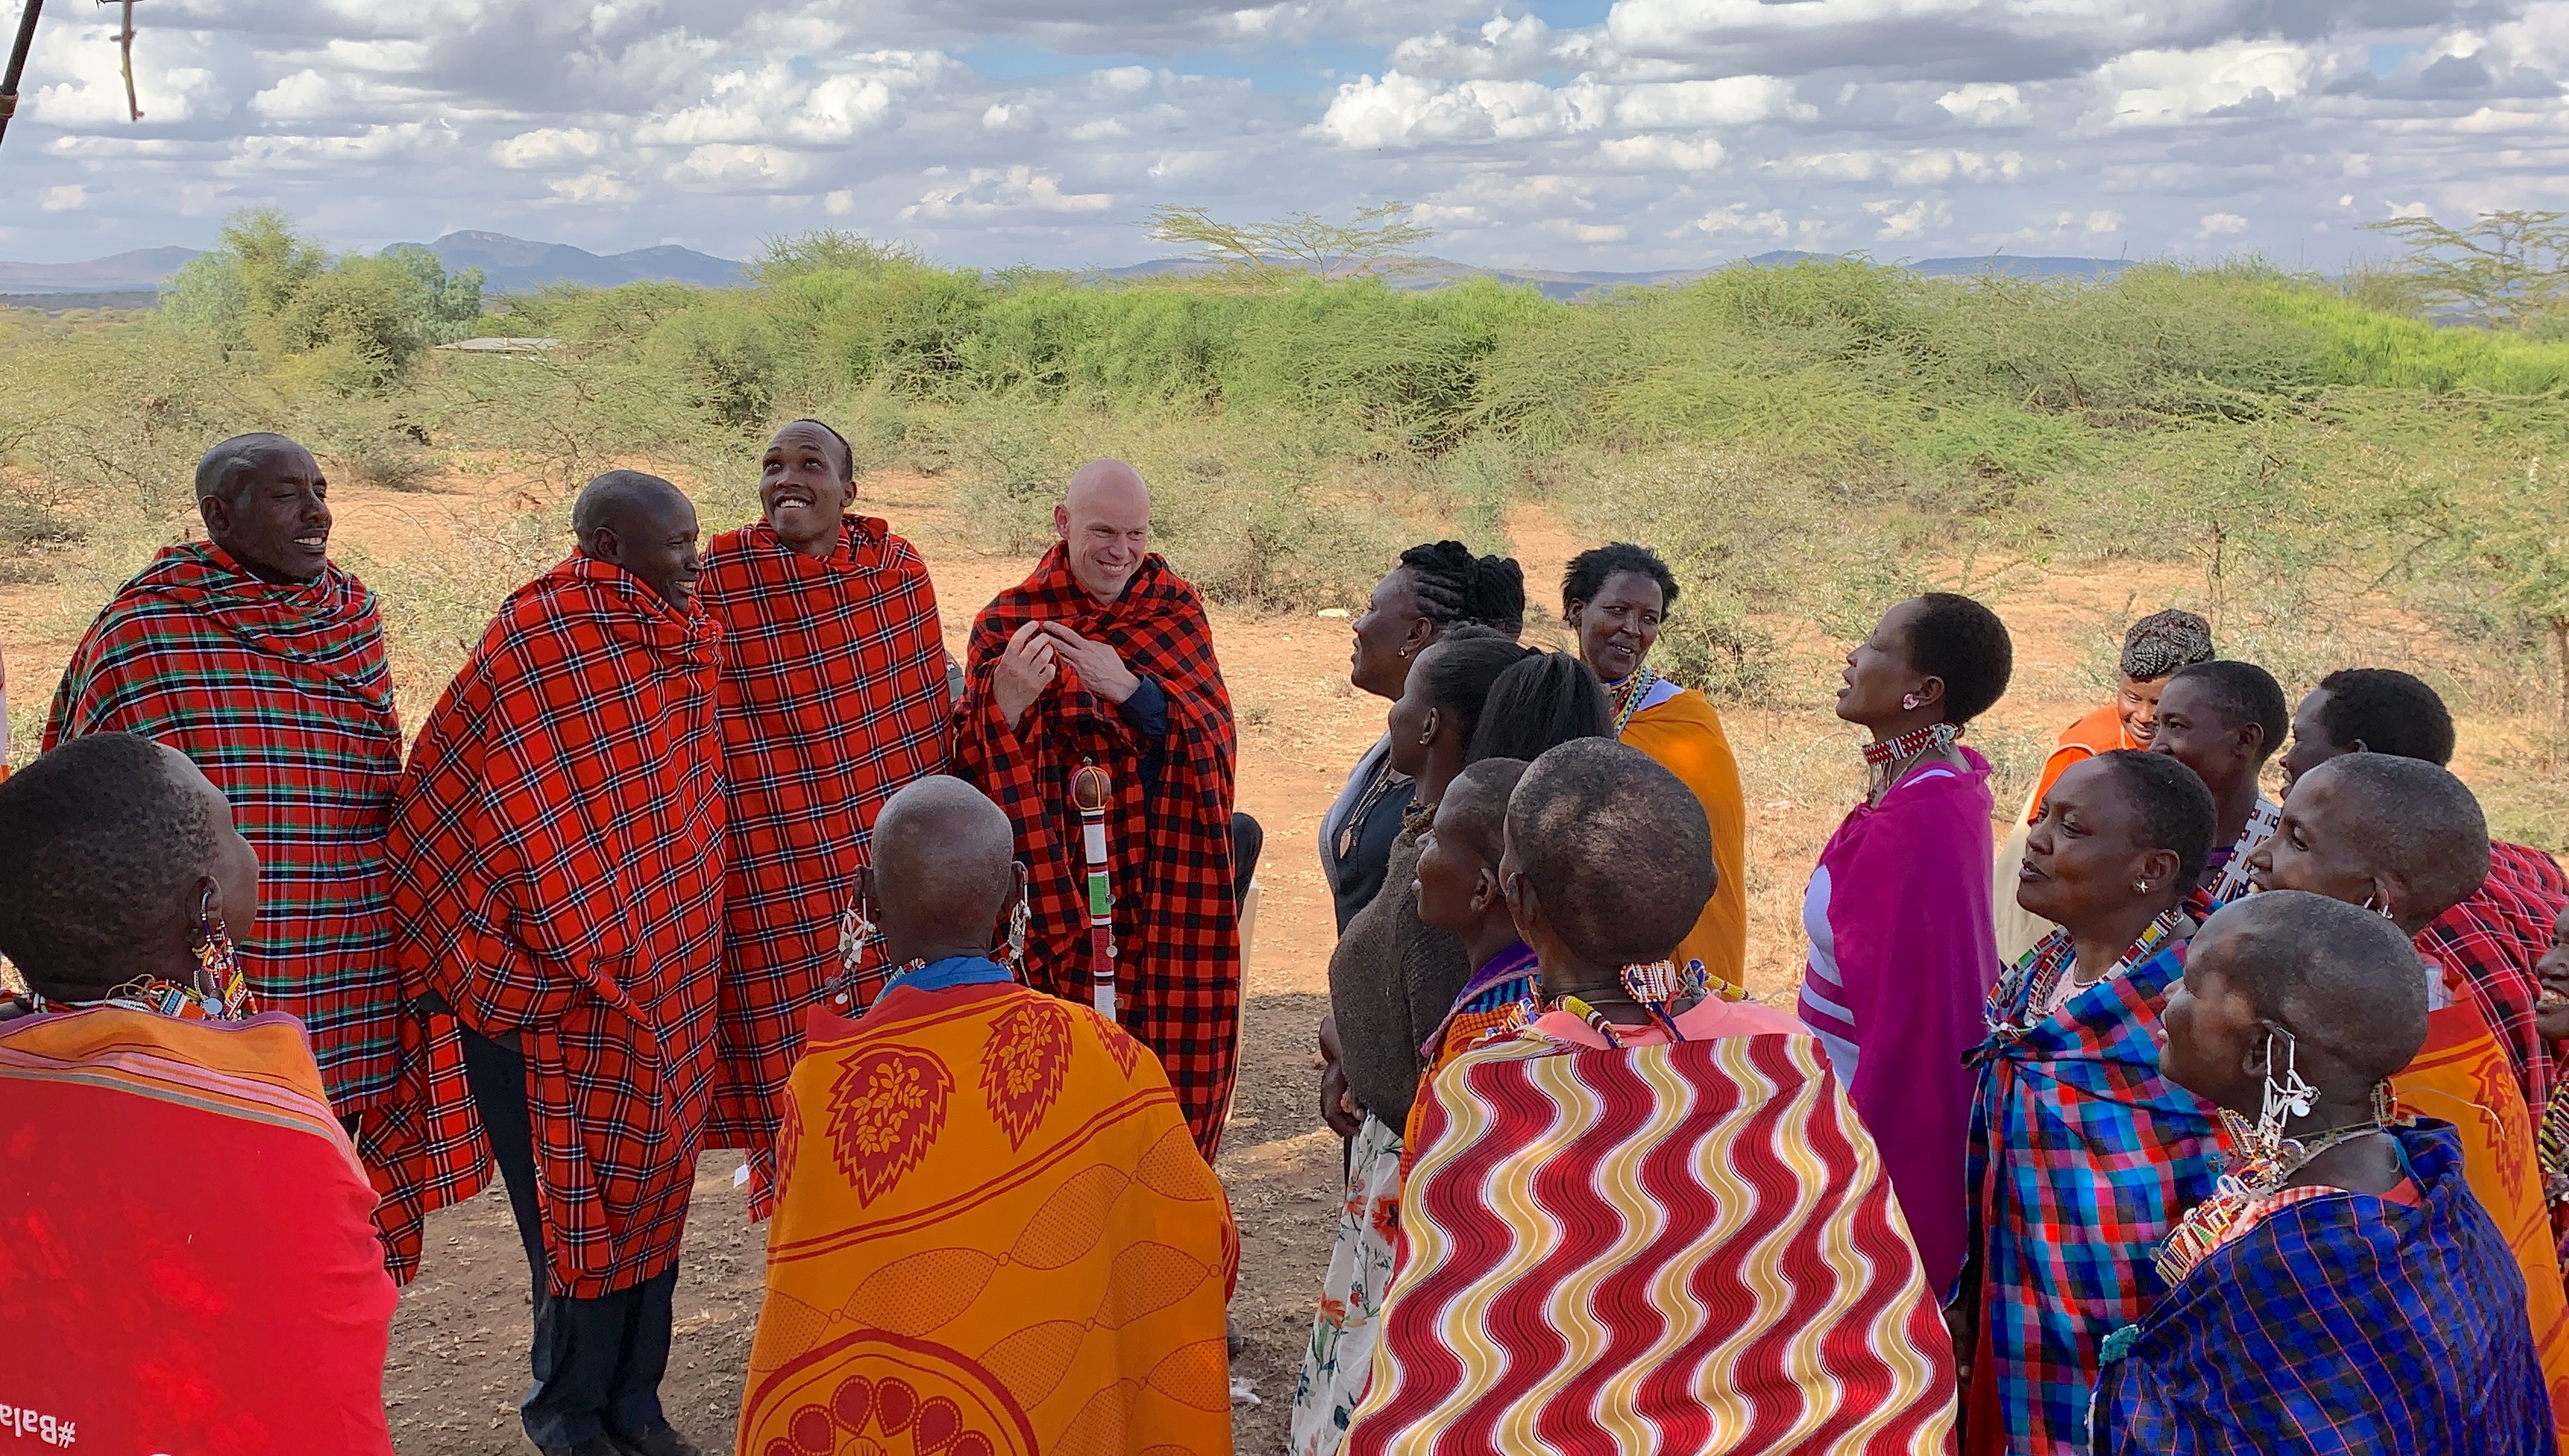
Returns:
(1092, 790)
(17, 63)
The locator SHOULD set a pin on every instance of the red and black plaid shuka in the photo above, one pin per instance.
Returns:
(2493, 938)
(280, 694)
(556, 852)
(1177, 930)
(833, 698)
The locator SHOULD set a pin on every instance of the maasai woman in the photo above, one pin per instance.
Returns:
(1651, 1221)
(995, 1232)
(2405, 840)
(2551, 1132)
(1459, 892)
(2344, 1292)
(2494, 935)
(1435, 587)
(1897, 910)
(1615, 597)
(188, 1253)
(2081, 1154)
(1392, 978)
(2153, 649)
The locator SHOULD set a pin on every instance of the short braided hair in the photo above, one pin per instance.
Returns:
(1454, 587)
(2165, 642)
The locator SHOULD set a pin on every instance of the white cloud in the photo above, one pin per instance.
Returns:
(2163, 88)
(549, 146)
(64, 198)
(2222, 224)
(1985, 105)
(991, 193)
(1909, 221)
(729, 166)
(1660, 152)
(1699, 128)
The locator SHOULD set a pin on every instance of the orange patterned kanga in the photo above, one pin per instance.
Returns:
(994, 1238)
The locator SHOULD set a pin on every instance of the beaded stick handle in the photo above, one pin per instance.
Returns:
(1091, 790)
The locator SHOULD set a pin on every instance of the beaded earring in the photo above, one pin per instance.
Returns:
(220, 981)
(1019, 921)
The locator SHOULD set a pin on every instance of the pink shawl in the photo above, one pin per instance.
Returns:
(1902, 960)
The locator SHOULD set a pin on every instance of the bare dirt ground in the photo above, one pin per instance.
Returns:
(460, 1341)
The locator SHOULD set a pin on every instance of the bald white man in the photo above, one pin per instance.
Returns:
(255, 656)
(1104, 655)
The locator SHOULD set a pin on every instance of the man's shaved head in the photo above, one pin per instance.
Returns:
(222, 471)
(1616, 847)
(644, 525)
(2335, 975)
(941, 864)
(266, 505)
(1104, 521)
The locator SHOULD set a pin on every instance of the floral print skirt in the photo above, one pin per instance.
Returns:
(1340, 1362)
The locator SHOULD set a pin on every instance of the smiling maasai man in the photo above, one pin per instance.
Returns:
(256, 656)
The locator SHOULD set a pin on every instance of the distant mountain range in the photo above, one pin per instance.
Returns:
(514, 265)
(1439, 272)
(508, 264)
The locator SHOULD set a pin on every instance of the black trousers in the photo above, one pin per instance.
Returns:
(597, 1362)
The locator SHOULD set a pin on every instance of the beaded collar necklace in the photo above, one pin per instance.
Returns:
(1887, 760)
(2046, 963)
(2209, 1223)
(164, 998)
(1635, 692)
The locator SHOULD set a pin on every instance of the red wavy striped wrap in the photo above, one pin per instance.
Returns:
(1683, 1248)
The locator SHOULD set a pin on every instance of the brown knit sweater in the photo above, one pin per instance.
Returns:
(1392, 978)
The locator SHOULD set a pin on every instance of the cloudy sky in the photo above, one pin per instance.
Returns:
(1576, 134)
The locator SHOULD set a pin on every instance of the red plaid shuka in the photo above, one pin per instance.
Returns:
(281, 695)
(1177, 931)
(556, 852)
(2493, 938)
(833, 699)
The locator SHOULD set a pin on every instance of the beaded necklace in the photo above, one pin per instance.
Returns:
(166, 999)
(847, 994)
(2258, 1178)
(1630, 697)
(1598, 1024)
(2040, 973)
(1887, 760)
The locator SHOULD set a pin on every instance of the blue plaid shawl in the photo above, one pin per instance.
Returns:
(2081, 1158)
(2346, 1323)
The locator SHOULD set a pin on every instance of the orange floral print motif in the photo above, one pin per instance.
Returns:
(1023, 1066)
(885, 1109)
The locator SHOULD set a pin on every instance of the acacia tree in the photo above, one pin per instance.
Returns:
(1378, 238)
(2508, 270)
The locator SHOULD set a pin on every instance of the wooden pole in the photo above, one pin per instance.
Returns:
(17, 63)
